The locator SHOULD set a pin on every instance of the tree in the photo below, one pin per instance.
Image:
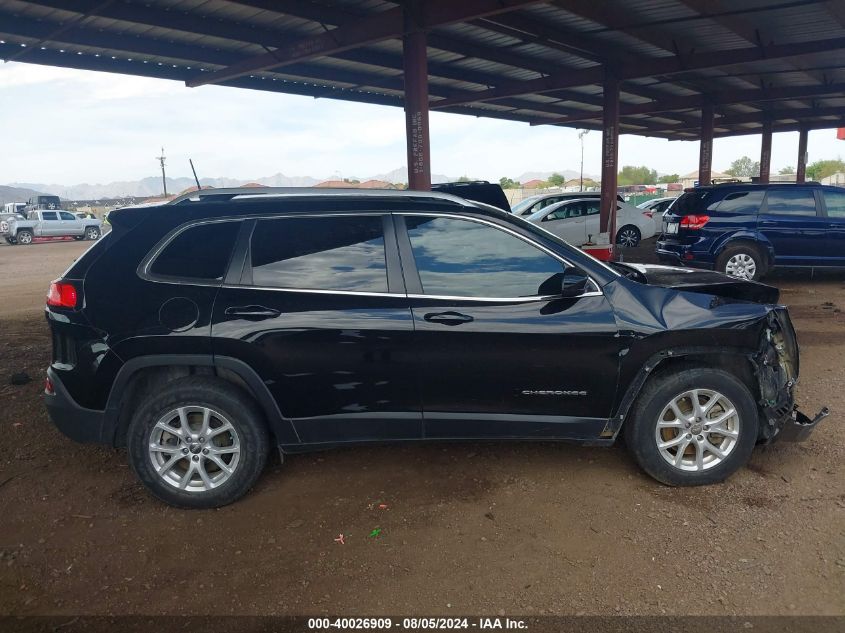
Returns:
(631, 175)
(786, 171)
(824, 168)
(665, 180)
(744, 168)
(507, 183)
(464, 179)
(556, 180)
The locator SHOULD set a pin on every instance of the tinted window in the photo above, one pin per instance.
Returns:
(49, 215)
(793, 201)
(67, 216)
(690, 202)
(742, 202)
(199, 252)
(461, 258)
(568, 211)
(329, 253)
(835, 201)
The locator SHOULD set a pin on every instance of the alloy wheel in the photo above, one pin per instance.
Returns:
(697, 430)
(628, 237)
(742, 266)
(194, 448)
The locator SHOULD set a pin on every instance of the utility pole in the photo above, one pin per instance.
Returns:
(581, 135)
(160, 159)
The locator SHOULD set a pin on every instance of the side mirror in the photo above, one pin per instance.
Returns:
(574, 283)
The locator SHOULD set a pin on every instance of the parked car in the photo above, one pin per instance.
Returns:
(43, 201)
(655, 208)
(745, 230)
(201, 334)
(577, 222)
(478, 191)
(51, 224)
(530, 206)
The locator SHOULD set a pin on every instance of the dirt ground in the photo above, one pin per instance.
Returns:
(481, 529)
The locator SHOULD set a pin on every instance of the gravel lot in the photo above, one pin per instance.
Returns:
(468, 528)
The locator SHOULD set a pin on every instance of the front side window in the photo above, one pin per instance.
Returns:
(793, 201)
(567, 211)
(320, 253)
(741, 202)
(67, 216)
(462, 258)
(835, 202)
(198, 252)
(49, 215)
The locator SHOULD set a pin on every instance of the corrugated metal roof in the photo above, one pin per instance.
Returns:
(479, 64)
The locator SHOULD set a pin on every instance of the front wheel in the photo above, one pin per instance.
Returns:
(92, 233)
(199, 443)
(628, 235)
(692, 427)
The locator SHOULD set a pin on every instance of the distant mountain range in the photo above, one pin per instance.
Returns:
(147, 187)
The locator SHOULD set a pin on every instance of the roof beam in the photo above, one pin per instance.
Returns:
(655, 66)
(369, 29)
(796, 114)
(691, 102)
(825, 124)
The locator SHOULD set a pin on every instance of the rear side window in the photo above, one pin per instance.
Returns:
(328, 253)
(49, 215)
(741, 202)
(835, 202)
(793, 201)
(199, 252)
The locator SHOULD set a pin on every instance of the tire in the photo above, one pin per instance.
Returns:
(24, 237)
(228, 404)
(642, 431)
(745, 261)
(628, 235)
(92, 233)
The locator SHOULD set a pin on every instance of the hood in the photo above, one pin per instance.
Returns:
(703, 281)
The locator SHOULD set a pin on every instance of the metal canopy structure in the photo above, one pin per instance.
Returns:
(682, 69)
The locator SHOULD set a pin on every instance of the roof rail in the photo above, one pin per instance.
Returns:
(228, 193)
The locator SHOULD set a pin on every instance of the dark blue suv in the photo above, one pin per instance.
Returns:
(744, 230)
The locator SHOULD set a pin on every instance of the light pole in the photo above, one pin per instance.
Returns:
(581, 135)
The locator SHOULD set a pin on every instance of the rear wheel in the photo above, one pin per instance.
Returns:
(692, 427)
(200, 443)
(628, 235)
(24, 237)
(743, 261)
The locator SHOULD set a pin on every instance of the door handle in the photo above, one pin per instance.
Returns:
(768, 223)
(252, 312)
(448, 318)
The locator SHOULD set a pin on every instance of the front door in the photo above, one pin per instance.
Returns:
(790, 221)
(320, 312)
(500, 353)
(71, 225)
(568, 222)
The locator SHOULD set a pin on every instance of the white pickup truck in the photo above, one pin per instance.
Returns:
(51, 223)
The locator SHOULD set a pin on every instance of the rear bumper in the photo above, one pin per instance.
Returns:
(678, 253)
(76, 422)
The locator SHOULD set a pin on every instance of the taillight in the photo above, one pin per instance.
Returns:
(62, 295)
(648, 214)
(49, 389)
(694, 221)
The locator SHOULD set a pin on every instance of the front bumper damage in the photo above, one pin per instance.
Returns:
(776, 366)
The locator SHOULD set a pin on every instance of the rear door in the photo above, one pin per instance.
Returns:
(791, 221)
(592, 211)
(500, 353)
(50, 224)
(320, 312)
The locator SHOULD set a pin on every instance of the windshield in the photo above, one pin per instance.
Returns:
(519, 207)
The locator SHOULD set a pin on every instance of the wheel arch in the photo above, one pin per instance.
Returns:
(737, 362)
(754, 240)
(141, 375)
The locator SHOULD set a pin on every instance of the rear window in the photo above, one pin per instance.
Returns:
(690, 203)
(792, 201)
(741, 202)
(344, 253)
(199, 252)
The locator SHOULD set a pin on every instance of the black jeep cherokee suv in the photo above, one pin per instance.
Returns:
(202, 332)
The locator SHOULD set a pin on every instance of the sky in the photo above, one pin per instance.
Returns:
(65, 126)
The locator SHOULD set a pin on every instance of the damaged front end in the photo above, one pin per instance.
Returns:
(776, 367)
